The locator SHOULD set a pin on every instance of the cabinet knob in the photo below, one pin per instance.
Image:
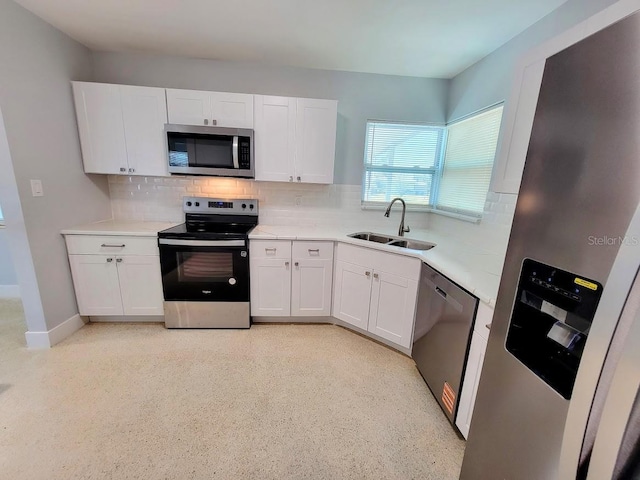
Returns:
(214, 122)
(299, 179)
(109, 260)
(291, 178)
(367, 273)
(119, 260)
(286, 264)
(297, 264)
(122, 169)
(206, 121)
(131, 170)
(375, 275)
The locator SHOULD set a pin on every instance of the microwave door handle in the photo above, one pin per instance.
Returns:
(234, 153)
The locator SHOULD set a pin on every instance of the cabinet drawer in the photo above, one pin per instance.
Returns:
(270, 249)
(111, 244)
(320, 250)
(403, 266)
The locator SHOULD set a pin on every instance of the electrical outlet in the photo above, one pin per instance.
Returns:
(36, 188)
(298, 200)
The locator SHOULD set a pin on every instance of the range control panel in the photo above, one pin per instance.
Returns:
(220, 206)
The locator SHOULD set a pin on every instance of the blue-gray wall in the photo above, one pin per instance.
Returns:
(489, 81)
(360, 96)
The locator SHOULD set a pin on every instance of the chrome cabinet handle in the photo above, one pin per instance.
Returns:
(299, 179)
(286, 264)
(367, 273)
(375, 275)
(214, 122)
(314, 250)
(291, 178)
(270, 249)
(119, 260)
(131, 170)
(109, 260)
(297, 264)
(122, 169)
(106, 245)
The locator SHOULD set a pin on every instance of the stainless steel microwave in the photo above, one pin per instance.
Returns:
(215, 151)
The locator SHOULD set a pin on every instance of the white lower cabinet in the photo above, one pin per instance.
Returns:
(108, 281)
(376, 292)
(291, 278)
(473, 368)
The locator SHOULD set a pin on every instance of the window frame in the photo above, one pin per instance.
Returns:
(469, 216)
(433, 171)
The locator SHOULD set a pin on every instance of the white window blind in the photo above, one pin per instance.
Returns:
(401, 160)
(468, 162)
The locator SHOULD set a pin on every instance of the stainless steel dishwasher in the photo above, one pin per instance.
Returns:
(444, 322)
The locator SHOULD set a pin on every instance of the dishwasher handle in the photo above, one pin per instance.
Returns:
(441, 292)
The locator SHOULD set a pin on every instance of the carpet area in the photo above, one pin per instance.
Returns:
(137, 401)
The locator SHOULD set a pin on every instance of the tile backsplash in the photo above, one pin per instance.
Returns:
(160, 199)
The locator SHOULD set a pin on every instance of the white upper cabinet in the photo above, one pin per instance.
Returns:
(121, 128)
(295, 139)
(315, 140)
(275, 137)
(144, 111)
(516, 131)
(193, 107)
(101, 127)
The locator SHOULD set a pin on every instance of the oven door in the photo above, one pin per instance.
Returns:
(204, 270)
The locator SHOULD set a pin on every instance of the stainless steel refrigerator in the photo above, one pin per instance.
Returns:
(558, 394)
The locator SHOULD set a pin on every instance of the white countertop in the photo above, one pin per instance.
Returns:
(473, 271)
(119, 227)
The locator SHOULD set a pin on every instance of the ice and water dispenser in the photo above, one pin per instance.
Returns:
(550, 322)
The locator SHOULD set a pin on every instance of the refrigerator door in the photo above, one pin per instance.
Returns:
(580, 189)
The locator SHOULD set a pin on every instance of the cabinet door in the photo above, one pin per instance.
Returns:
(352, 293)
(95, 278)
(516, 130)
(101, 128)
(315, 140)
(393, 305)
(311, 281)
(144, 112)
(189, 107)
(270, 287)
(234, 110)
(140, 285)
(275, 135)
(470, 383)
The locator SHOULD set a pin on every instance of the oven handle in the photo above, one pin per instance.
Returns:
(202, 243)
(234, 152)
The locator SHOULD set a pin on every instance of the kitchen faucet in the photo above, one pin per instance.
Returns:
(402, 229)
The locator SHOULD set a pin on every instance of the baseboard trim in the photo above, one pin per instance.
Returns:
(9, 291)
(58, 333)
(259, 319)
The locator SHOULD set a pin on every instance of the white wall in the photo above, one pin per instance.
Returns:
(7, 271)
(489, 81)
(360, 96)
(37, 63)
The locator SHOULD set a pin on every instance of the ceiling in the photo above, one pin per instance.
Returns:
(422, 38)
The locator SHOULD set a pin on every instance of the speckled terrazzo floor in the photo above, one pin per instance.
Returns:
(122, 401)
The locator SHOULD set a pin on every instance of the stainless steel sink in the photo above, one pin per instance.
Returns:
(392, 241)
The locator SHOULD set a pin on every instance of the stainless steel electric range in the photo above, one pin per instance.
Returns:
(205, 264)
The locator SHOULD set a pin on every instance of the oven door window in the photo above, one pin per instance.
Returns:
(204, 267)
(194, 150)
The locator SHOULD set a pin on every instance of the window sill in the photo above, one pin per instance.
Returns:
(424, 209)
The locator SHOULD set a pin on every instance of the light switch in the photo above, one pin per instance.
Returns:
(36, 188)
